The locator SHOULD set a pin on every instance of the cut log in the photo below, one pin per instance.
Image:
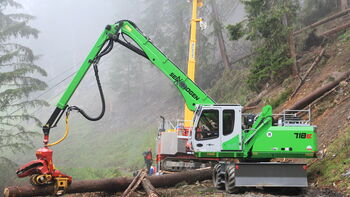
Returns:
(150, 190)
(110, 185)
(320, 22)
(313, 96)
(301, 104)
(335, 30)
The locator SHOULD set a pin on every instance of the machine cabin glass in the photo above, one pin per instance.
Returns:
(228, 121)
(208, 125)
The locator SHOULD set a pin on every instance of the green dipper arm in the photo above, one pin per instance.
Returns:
(191, 93)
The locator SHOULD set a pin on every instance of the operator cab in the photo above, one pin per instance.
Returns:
(217, 128)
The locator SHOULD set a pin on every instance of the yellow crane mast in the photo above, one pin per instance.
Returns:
(191, 68)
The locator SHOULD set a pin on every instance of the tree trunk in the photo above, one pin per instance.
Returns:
(242, 58)
(110, 185)
(317, 60)
(220, 37)
(320, 22)
(344, 4)
(293, 55)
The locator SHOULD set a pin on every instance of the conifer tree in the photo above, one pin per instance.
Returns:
(268, 25)
(18, 79)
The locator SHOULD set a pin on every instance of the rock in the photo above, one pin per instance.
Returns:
(347, 173)
(343, 83)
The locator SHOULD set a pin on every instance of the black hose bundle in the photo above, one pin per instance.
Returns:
(95, 62)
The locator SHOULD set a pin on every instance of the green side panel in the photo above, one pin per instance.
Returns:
(232, 144)
(191, 93)
(283, 141)
(224, 154)
(256, 155)
(84, 67)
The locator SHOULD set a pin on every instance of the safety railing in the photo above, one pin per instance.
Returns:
(294, 118)
(177, 126)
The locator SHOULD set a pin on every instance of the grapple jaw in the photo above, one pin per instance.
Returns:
(31, 168)
(43, 172)
(42, 165)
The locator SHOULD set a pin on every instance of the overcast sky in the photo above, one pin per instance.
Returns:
(69, 28)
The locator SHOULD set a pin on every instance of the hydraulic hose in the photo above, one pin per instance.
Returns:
(65, 133)
(95, 62)
(102, 100)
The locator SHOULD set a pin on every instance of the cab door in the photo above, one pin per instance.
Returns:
(231, 138)
(206, 132)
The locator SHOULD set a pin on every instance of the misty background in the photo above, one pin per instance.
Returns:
(244, 56)
(136, 92)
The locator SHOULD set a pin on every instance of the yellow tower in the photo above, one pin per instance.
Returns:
(188, 114)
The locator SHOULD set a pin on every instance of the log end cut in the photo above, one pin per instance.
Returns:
(6, 192)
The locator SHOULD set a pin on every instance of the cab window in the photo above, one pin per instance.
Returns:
(228, 121)
(208, 125)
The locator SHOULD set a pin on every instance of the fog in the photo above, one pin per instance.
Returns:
(68, 30)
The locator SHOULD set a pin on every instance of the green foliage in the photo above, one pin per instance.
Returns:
(231, 87)
(18, 79)
(268, 26)
(332, 168)
(281, 98)
(271, 64)
(235, 31)
(345, 37)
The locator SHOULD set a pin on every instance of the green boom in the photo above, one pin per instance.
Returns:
(191, 93)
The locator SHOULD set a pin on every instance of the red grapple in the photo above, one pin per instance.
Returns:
(43, 165)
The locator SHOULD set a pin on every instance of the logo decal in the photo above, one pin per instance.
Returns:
(181, 83)
(303, 136)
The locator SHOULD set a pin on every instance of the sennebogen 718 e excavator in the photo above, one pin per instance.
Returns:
(244, 143)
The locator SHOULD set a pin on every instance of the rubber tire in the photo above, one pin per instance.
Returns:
(230, 183)
(217, 178)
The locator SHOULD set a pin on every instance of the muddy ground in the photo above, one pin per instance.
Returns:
(206, 189)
